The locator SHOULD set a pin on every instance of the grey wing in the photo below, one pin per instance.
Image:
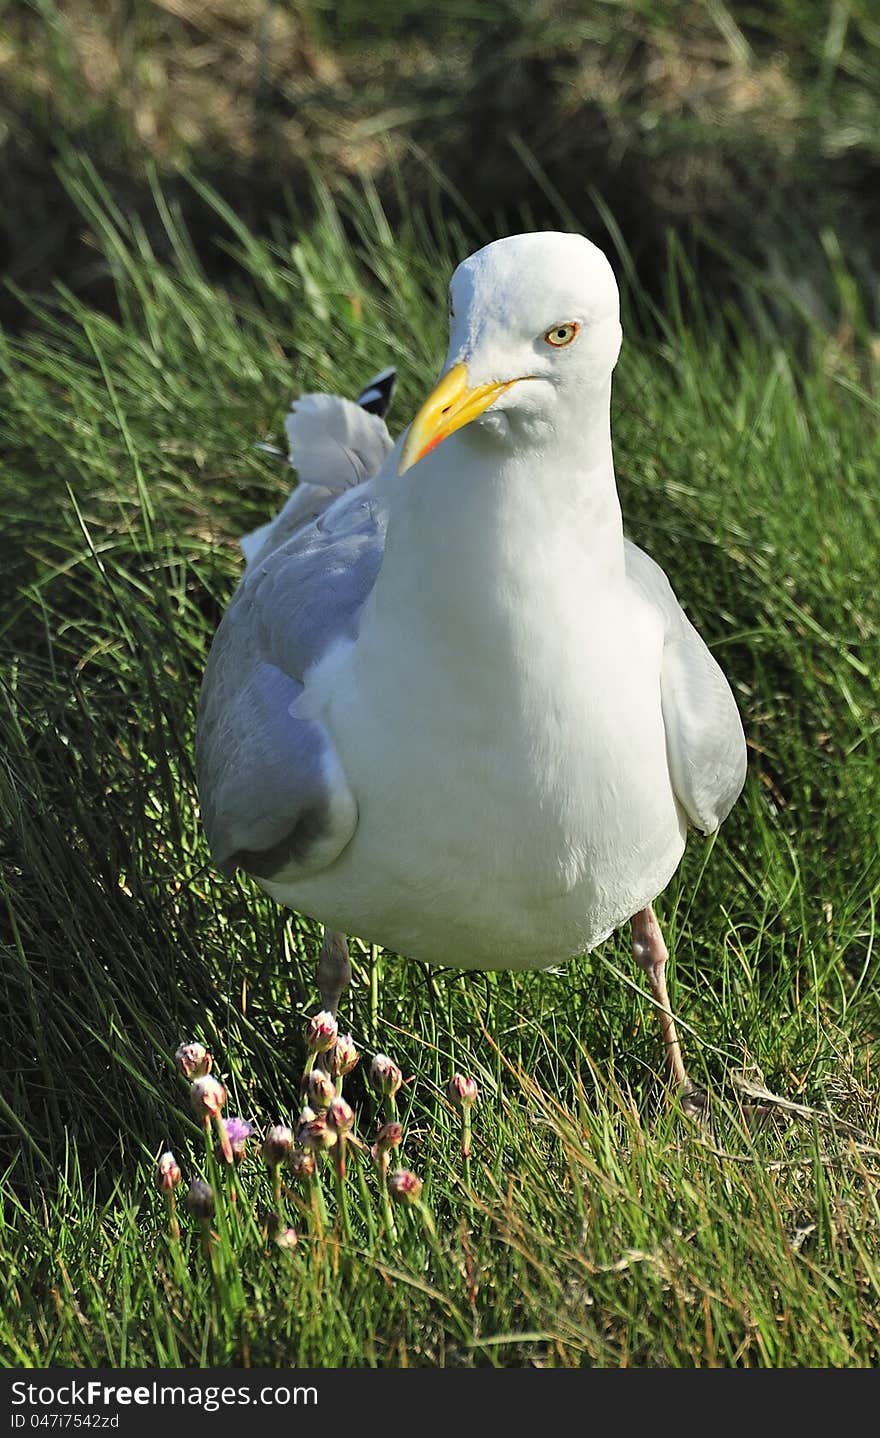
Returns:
(274, 798)
(705, 744)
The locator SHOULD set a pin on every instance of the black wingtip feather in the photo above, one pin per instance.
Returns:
(377, 393)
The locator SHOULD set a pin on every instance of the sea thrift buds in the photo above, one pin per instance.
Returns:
(302, 1164)
(385, 1076)
(208, 1097)
(321, 1032)
(320, 1090)
(340, 1120)
(340, 1116)
(461, 1091)
(167, 1179)
(193, 1060)
(237, 1131)
(277, 1145)
(316, 1134)
(388, 1137)
(200, 1200)
(404, 1186)
(462, 1094)
(167, 1173)
(344, 1057)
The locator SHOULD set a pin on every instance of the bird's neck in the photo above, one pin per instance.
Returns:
(485, 541)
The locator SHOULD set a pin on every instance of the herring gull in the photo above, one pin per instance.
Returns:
(450, 708)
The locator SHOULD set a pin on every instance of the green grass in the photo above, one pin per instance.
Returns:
(748, 126)
(599, 1227)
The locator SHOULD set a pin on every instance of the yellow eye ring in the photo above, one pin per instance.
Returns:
(561, 335)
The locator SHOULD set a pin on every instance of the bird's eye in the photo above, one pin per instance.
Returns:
(562, 335)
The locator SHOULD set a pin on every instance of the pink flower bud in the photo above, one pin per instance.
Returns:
(461, 1091)
(200, 1200)
(208, 1097)
(302, 1164)
(277, 1145)
(404, 1186)
(388, 1137)
(167, 1172)
(320, 1090)
(385, 1076)
(193, 1060)
(344, 1057)
(340, 1116)
(287, 1239)
(316, 1135)
(321, 1032)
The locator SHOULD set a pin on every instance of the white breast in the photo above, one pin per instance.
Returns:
(509, 766)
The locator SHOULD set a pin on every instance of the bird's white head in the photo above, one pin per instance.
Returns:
(534, 334)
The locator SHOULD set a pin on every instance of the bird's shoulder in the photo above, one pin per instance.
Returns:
(309, 590)
(650, 586)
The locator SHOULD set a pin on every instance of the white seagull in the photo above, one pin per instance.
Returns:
(450, 707)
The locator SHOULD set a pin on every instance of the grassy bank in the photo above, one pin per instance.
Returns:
(598, 1228)
(749, 129)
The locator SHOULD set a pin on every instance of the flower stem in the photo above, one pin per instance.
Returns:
(366, 1202)
(319, 1207)
(466, 1148)
(173, 1225)
(341, 1192)
(223, 1136)
(374, 994)
(387, 1211)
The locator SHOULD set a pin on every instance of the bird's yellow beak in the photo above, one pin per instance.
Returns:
(449, 407)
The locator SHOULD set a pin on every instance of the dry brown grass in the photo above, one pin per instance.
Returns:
(692, 120)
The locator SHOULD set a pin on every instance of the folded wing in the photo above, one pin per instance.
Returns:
(705, 744)
(274, 798)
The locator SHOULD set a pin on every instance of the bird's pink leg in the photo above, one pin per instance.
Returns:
(334, 970)
(650, 953)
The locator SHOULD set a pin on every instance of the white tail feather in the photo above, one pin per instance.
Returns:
(334, 444)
